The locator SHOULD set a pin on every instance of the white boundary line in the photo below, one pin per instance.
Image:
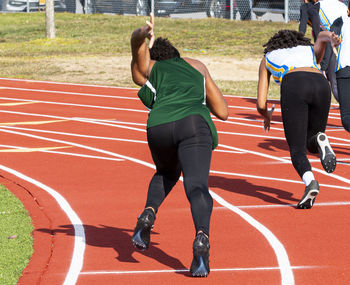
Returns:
(103, 272)
(79, 237)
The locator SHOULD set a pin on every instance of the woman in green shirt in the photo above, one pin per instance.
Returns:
(180, 94)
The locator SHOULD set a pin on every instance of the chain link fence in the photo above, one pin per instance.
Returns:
(229, 9)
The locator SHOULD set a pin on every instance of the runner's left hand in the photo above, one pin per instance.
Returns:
(267, 120)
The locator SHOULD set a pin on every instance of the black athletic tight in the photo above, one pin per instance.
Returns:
(184, 145)
(305, 102)
(344, 98)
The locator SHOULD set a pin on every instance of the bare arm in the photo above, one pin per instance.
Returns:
(141, 64)
(263, 89)
(215, 100)
(322, 39)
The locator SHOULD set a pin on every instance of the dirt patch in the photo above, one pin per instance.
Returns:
(116, 70)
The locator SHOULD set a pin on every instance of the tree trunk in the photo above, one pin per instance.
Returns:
(50, 19)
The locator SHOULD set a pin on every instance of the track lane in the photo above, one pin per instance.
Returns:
(228, 164)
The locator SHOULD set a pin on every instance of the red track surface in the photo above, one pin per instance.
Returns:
(106, 191)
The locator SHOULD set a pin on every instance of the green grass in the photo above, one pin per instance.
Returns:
(24, 34)
(26, 53)
(14, 252)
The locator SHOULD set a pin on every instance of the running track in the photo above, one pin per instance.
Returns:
(77, 157)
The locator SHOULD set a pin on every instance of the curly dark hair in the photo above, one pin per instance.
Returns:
(286, 39)
(162, 49)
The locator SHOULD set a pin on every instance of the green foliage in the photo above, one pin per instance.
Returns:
(16, 242)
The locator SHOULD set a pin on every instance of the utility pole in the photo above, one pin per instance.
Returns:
(50, 19)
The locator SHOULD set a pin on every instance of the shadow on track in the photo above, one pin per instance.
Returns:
(119, 239)
(241, 186)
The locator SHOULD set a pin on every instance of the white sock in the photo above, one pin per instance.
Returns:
(308, 176)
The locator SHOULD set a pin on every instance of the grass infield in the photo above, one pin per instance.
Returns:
(16, 242)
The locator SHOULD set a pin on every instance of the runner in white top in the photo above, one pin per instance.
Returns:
(281, 61)
(343, 72)
(330, 10)
(305, 99)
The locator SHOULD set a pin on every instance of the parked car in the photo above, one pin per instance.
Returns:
(260, 7)
(34, 5)
(213, 8)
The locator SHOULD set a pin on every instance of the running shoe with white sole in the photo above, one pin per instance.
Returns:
(308, 200)
(327, 156)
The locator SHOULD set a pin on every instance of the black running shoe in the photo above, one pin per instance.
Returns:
(309, 197)
(200, 262)
(327, 156)
(142, 232)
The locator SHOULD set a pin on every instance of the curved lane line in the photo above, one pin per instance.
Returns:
(282, 257)
(79, 237)
(281, 254)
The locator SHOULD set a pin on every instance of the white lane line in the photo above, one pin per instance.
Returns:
(274, 179)
(339, 139)
(92, 121)
(282, 257)
(242, 107)
(65, 83)
(281, 254)
(75, 105)
(106, 87)
(112, 121)
(329, 128)
(120, 125)
(258, 125)
(71, 119)
(277, 138)
(338, 177)
(339, 160)
(79, 238)
(74, 135)
(229, 151)
(324, 204)
(245, 124)
(72, 93)
(64, 153)
(104, 272)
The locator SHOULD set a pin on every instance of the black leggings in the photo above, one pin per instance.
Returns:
(305, 102)
(344, 100)
(184, 145)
